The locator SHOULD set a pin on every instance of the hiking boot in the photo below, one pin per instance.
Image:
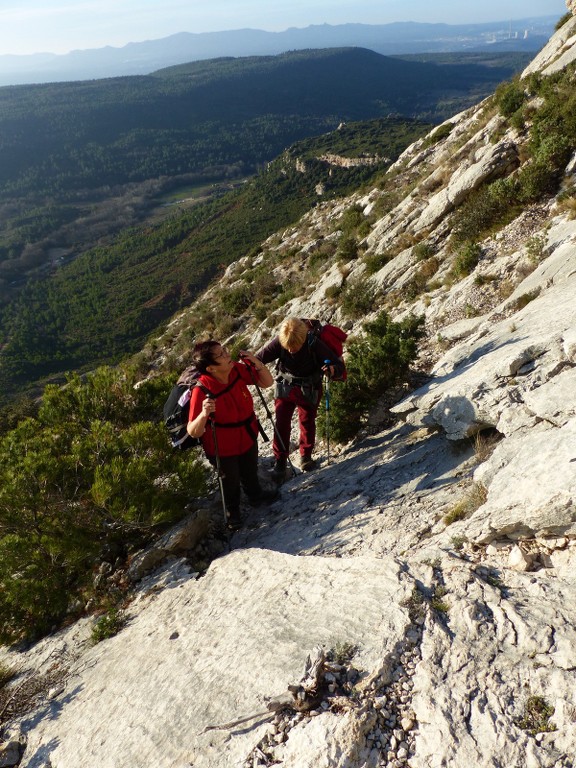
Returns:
(279, 469)
(233, 520)
(307, 463)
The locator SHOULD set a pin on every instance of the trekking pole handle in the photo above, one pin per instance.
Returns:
(326, 368)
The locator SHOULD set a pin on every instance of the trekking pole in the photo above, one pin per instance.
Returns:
(269, 414)
(219, 470)
(327, 363)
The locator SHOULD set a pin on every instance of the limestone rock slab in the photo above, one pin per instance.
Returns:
(208, 652)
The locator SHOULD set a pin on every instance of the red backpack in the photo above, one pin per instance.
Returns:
(334, 339)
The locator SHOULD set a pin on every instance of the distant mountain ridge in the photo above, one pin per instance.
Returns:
(141, 58)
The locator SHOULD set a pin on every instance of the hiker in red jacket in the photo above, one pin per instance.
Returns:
(222, 394)
(300, 367)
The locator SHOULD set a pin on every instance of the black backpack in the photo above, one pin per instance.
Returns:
(177, 409)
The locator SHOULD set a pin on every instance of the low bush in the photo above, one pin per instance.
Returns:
(93, 467)
(237, 300)
(357, 298)
(510, 97)
(376, 362)
(347, 248)
(108, 625)
(466, 260)
(491, 206)
(442, 132)
(375, 261)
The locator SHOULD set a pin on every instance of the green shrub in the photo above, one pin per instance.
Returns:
(6, 674)
(422, 251)
(510, 97)
(525, 299)
(419, 282)
(357, 298)
(466, 260)
(541, 176)
(90, 468)
(563, 20)
(347, 248)
(237, 300)
(351, 220)
(491, 206)
(442, 132)
(376, 362)
(107, 626)
(332, 292)
(375, 261)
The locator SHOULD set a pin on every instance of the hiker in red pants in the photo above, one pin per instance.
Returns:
(301, 357)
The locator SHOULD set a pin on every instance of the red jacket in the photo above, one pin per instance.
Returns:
(233, 407)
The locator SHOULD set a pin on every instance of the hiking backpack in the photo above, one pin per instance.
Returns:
(334, 338)
(177, 409)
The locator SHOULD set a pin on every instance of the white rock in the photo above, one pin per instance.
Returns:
(519, 560)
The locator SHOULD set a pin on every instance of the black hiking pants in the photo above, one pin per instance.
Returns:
(239, 472)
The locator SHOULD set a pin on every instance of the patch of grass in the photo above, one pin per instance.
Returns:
(437, 602)
(474, 499)
(415, 604)
(485, 443)
(535, 248)
(485, 279)
(342, 653)
(526, 298)
(458, 542)
(536, 717)
(495, 581)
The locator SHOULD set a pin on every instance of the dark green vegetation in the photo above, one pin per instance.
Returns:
(377, 362)
(86, 159)
(106, 302)
(90, 474)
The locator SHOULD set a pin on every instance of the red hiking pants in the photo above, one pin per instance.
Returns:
(285, 407)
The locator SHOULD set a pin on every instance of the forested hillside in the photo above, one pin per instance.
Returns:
(82, 162)
(103, 304)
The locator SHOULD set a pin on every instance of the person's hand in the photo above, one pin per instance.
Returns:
(208, 407)
(250, 359)
(328, 370)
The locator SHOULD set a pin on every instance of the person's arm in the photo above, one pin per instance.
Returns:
(262, 375)
(200, 410)
(270, 352)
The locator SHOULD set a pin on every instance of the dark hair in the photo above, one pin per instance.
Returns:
(203, 354)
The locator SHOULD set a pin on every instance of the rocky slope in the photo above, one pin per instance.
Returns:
(432, 560)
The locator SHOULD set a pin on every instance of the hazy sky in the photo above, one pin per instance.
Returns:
(59, 26)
